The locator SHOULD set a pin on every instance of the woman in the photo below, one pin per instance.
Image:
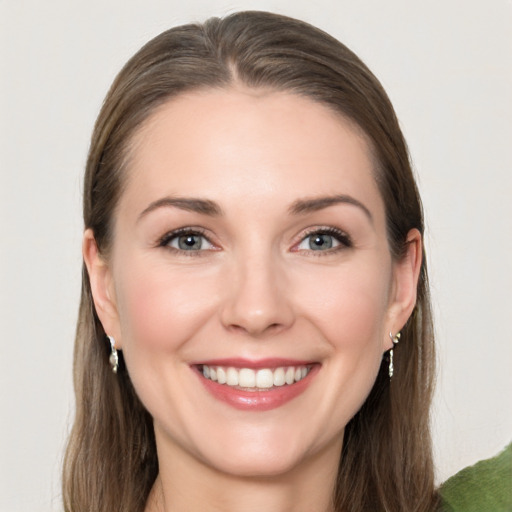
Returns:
(253, 254)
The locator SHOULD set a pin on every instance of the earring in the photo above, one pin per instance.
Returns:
(114, 357)
(395, 339)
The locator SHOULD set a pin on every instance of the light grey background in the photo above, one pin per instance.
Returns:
(446, 65)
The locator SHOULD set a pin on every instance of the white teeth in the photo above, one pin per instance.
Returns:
(279, 379)
(248, 378)
(231, 377)
(221, 375)
(264, 379)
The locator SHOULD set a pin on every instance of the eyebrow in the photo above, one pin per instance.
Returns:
(302, 206)
(211, 208)
(191, 204)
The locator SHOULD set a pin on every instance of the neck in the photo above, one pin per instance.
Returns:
(184, 485)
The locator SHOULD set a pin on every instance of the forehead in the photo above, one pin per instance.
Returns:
(253, 142)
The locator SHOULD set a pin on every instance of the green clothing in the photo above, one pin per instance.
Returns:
(484, 487)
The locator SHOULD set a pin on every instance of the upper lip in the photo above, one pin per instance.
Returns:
(237, 362)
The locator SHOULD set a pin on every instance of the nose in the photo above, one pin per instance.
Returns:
(257, 299)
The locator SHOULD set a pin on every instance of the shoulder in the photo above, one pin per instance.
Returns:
(485, 486)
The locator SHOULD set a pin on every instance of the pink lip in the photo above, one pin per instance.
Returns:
(263, 400)
(238, 362)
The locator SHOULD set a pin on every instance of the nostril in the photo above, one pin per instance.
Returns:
(256, 305)
(256, 330)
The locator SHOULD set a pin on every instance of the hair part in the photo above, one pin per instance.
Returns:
(386, 463)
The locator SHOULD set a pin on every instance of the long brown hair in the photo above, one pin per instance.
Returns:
(386, 463)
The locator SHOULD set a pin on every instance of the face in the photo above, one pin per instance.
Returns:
(250, 283)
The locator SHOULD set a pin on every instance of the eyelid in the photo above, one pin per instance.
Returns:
(165, 240)
(343, 238)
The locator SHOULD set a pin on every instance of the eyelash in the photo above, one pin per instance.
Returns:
(344, 240)
(341, 237)
(172, 235)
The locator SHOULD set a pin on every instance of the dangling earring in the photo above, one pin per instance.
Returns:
(114, 357)
(395, 339)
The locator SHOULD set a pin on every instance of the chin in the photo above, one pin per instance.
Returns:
(258, 465)
(247, 453)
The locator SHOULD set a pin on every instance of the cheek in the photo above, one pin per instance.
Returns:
(159, 309)
(351, 305)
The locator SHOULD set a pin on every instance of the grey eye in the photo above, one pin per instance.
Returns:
(320, 242)
(189, 242)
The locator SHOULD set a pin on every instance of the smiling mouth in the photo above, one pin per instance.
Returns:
(257, 386)
(249, 379)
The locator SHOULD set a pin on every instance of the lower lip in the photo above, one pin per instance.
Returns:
(263, 400)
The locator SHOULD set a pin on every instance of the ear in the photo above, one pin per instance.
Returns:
(406, 273)
(102, 286)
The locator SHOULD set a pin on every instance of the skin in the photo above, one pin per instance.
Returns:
(255, 289)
